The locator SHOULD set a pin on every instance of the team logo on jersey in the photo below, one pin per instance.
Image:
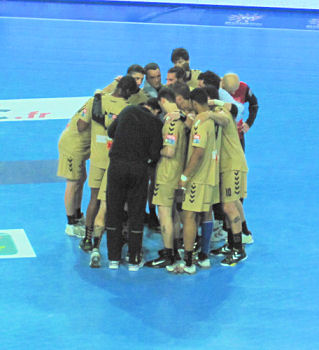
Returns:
(196, 138)
(170, 139)
(112, 116)
(109, 144)
(83, 112)
(313, 23)
(251, 19)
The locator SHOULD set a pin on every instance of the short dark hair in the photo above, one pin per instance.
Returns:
(135, 68)
(210, 78)
(151, 66)
(128, 86)
(153, 103)
(181, 89)
(179, 53)
(199, 95)
(212, 92)
(167, 93)
(179, 72)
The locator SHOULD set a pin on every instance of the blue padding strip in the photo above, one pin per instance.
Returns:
(165, 14)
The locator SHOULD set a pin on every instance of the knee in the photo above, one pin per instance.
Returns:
(229, 209)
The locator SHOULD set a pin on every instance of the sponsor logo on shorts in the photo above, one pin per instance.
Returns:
(245, 19)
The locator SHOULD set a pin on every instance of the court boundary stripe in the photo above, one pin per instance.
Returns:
(160, 24)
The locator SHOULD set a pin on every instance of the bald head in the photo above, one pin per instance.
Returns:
(230, 82)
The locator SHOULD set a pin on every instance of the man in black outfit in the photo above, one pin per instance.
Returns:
(137, 141)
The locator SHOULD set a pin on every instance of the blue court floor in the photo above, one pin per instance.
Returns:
(55, 300)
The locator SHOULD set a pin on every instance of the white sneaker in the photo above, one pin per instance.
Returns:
(190, 269)
(136, 267)
(171, 268)
(247, 239)
(205, 264)
(75, 230)
(95, 260)
(219, 234)
(114, 264)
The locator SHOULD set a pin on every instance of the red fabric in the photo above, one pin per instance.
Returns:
(240, 94)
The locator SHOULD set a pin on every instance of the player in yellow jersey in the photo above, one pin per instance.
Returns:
(137, 72)
(233, 169)
(199, 181)
(168, 171)
(105, 109)
(180, 58)
(74, 150)
(174, 75)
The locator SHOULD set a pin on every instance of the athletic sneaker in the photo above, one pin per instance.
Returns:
(234, 257)
(127, 257)
(190, 269)
(219, 234)
(172, 267)
(224, 250)
(247, 239)
(95, 260)
(86, 244)
(181, 267)
(81, 220)
(114, 264)
(163, 260)
(203, 261)
(136, 267)
(75, 230)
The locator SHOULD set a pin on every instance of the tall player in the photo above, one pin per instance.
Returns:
(168, 172)
(233, 172)
(200, 183)
(74, 150)
(109, 107)
(180, 58)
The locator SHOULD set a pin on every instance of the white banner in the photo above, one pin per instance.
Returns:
(40, 108)
(296, 4)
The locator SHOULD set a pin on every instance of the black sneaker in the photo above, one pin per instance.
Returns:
(86, 244)
(224, 250)
(234, 257)
(159, 263)
(176, 255)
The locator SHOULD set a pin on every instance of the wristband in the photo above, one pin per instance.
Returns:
(219, 103)
(184, 178)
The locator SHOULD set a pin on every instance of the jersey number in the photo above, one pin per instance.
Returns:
(228, 192)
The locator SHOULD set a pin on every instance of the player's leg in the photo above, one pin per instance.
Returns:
(136, 201)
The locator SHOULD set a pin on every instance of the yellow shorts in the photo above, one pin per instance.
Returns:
(198, 197)
(95, 176)
(71, 168)
(233, 186)
(163, 195)
(102, 191)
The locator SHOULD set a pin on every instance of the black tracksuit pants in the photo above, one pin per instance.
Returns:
(127, 181)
